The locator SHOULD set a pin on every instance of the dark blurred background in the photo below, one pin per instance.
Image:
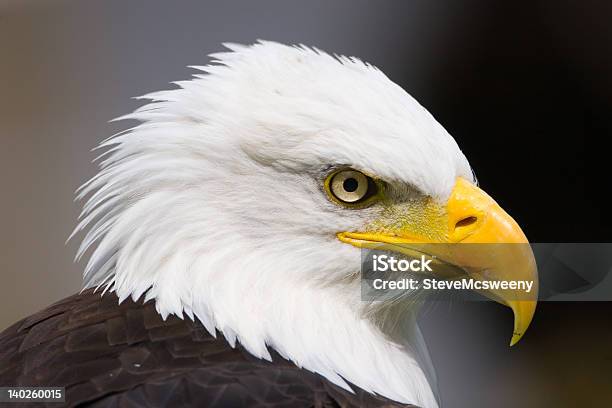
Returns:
(524, 86)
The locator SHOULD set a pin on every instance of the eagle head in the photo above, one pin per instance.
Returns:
(242, 199)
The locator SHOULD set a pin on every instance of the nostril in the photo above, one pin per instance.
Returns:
(466, 222)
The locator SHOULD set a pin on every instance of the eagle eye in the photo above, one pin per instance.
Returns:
(351, 187)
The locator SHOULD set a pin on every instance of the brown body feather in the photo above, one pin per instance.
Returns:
(111, 355)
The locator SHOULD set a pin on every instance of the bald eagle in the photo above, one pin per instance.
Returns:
(224, 233)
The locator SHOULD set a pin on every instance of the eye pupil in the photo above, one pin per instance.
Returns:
(350, 185)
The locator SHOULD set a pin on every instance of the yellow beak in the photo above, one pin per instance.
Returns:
(469, 217)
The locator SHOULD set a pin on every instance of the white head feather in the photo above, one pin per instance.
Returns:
(213, 206)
